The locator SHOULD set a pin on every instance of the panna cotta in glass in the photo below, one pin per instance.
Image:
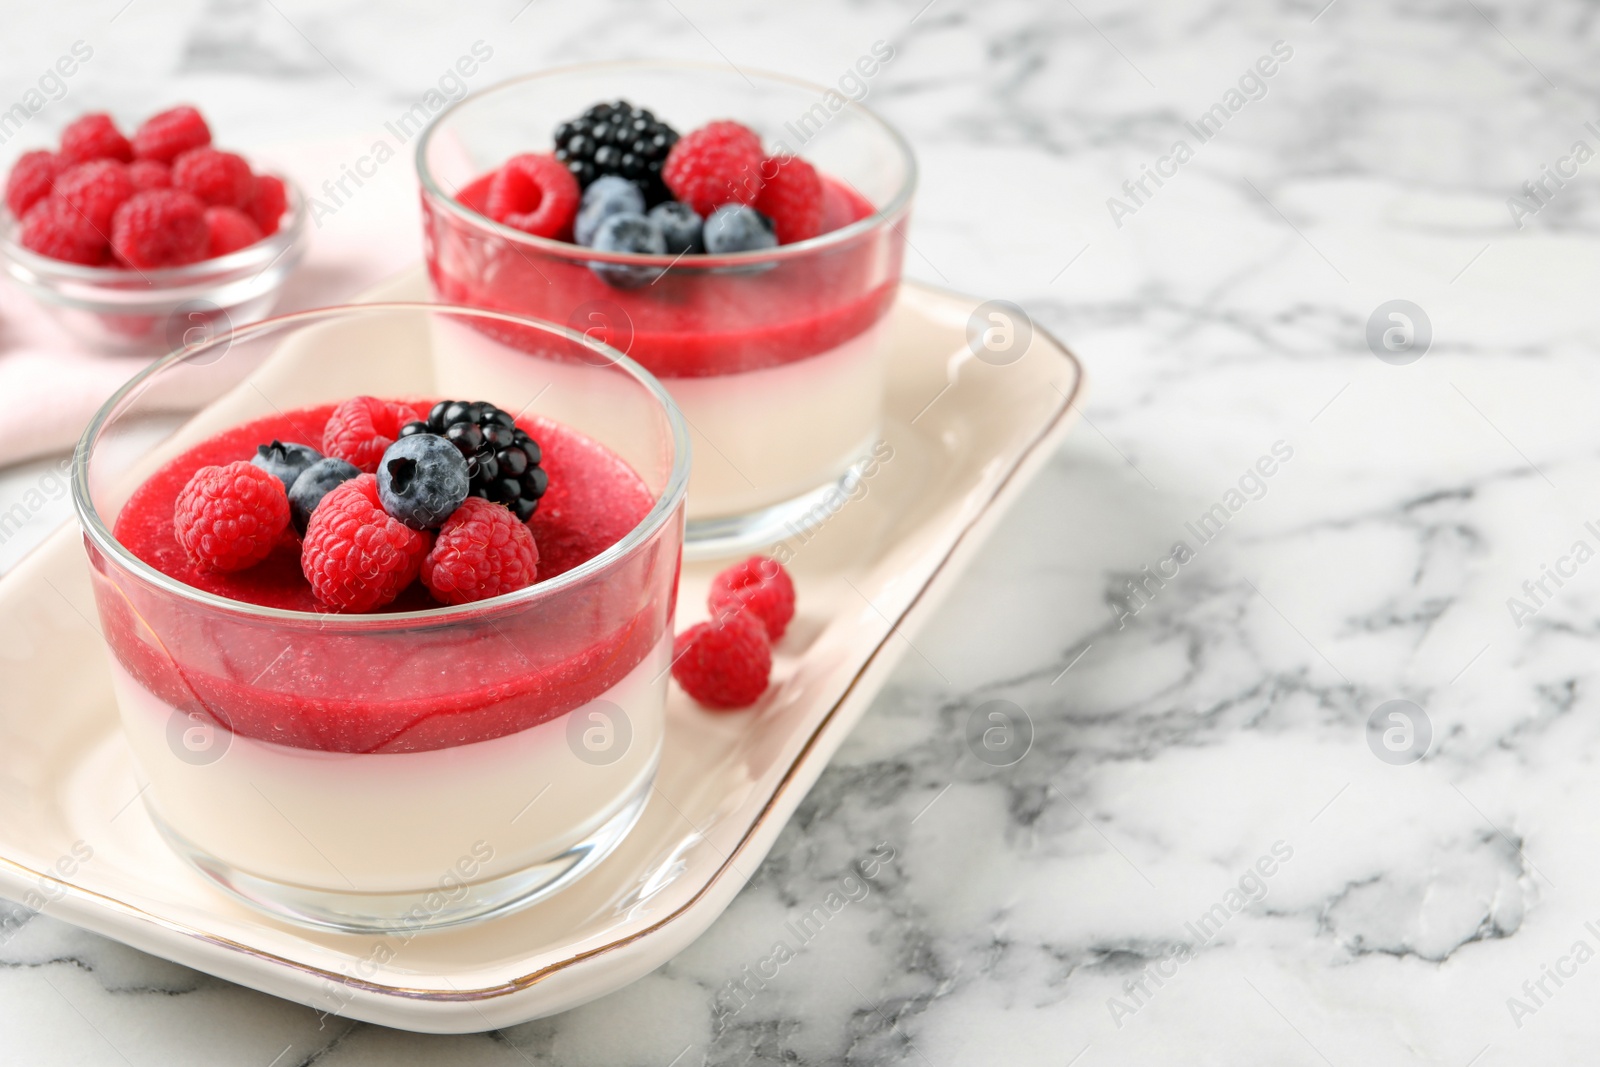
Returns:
(774, 350)
(452, 747)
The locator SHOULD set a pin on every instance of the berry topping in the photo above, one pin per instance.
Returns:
(362, 428)
(717, 164)
(736, 228)
(356, 557)
(221, 179)
(96, 190)
(620, 139)
(535, 194)
(725, 663)
(148, 174)
(229, 518)
(160, 228)
(791, 196)
(94, 136)
(606, 196)
(30, 181)
(52, 228)
(679, 226)
(422, 478)
(268, 203)
(758, 585)
(628, 233)
(284, 462)
(481, 551)
(502, 460)
(168, 135)
(230, 229)
(314, 483)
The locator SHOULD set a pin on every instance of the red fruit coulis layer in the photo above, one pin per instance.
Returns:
(413, 687)
(691, 323)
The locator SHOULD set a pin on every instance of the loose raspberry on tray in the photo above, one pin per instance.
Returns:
(362, 428)
(724, 664)
(720, 163)
(356, 556)
(160, 228)
(230, 517)
(94, 136)
(168, 135)
(759, 585)
(482, 550)
(536, 194)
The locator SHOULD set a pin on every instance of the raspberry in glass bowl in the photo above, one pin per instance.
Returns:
(386, 657)
(147, 243)
(740, 237)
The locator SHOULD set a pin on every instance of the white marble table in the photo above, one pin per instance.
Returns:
(1206, 857)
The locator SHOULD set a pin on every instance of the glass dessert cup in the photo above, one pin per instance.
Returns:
(415, 768)
(776, 358)
(152, 312)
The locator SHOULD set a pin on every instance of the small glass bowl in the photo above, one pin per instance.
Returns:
(152, 312)
(777, 358)
(371, 772)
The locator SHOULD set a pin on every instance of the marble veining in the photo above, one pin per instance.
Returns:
(1106, 899)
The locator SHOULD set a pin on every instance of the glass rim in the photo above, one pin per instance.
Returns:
(887, 215)
(45, 272)
(664, 507)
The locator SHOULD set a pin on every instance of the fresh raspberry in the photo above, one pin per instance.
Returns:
(362, 428)
(221, 179)
(354, 555)
(30, 181)
(94, 136)
(231, 230)
(720, 163)
(481, 551)
(168, 135)
(160, 228)
(229, 518)
(53, 228)
(725, 663)
(268, 202)
(791, 196)
(148, 174)
(96, 189)
(759, 585)
(535, 194)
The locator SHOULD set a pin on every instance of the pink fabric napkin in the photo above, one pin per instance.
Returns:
(51, 384)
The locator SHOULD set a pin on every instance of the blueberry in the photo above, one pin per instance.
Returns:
(284, 462)
(609, 195)
(422, 479)
(680, 227)
(314, 483)
(737, 228)
(628, 232)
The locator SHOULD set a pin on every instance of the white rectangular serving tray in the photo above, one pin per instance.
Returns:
(966, 436)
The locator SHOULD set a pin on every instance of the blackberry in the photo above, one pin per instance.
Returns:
(617, 138)
(502, 460)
